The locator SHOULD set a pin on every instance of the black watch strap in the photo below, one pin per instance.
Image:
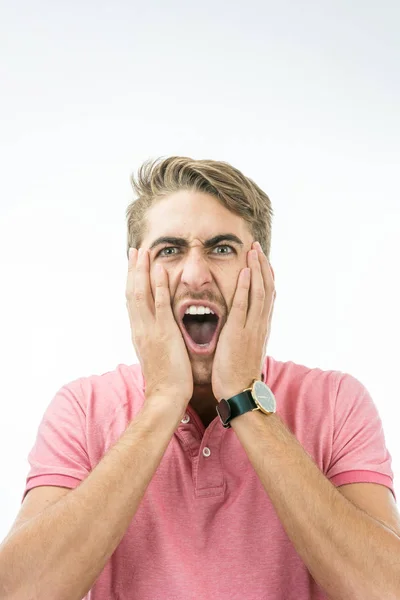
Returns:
(236, 406)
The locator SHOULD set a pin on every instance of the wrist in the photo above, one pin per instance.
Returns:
(165, 407)
(233, 391)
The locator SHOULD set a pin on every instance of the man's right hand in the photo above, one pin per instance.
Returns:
(156, 337)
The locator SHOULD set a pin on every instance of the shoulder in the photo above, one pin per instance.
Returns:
(300, 386)
(306, 399)
(105, 402)
(102, 395)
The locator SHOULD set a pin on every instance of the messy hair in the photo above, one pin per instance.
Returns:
(158, 178)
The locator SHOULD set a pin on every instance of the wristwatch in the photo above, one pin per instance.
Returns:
(257, 397)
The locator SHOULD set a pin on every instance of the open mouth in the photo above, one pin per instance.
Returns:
(200, 331)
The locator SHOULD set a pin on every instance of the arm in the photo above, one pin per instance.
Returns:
(60, 552)
(348, 552)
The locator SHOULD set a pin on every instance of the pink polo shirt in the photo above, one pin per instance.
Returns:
(206, 527)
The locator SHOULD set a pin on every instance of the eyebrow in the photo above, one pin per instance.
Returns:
(183, 243)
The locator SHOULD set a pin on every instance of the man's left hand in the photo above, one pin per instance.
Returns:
(242, 343)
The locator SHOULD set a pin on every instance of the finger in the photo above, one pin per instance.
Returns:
(132, 259)
(140, 294)
(257, 290)
(129, 291)
(162, 302)
(269, 286)
(238, 313)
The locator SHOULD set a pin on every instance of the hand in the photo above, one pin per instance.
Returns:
(241, 348)
(156, 337)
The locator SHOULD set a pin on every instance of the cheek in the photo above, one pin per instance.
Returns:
(229, 288)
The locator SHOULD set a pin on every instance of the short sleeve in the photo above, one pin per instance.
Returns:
(59, 456)
(359, 452)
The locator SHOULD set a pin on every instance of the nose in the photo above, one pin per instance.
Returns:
(195, 270)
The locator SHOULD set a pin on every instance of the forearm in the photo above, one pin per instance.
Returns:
(61, 552)
(348, 553)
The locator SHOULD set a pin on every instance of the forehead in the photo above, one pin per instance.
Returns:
(193, 215)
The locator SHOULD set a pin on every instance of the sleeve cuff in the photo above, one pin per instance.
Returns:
(56, 480)
(363, 477)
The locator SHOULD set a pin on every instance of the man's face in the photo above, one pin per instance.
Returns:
(196, 272)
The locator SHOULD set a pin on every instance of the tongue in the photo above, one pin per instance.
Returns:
(201, 333)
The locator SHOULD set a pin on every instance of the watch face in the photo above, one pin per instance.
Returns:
(264, 396)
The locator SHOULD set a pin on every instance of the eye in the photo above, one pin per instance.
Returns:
(167, 248)
(161, 252)
(225, 246)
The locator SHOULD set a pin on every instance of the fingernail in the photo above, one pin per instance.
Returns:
(140, 251)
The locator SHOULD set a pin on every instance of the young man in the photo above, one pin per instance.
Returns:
(209, 469)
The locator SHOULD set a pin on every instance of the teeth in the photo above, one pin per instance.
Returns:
(198, 310)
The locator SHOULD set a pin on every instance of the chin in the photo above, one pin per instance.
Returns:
(201, 374)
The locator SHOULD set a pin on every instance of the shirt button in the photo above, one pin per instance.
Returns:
(206, 451)
(185, 419)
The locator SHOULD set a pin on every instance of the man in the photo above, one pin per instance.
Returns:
(169, 479)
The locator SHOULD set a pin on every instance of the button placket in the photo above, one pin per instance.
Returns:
(209, 476)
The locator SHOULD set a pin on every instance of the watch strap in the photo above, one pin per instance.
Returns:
(237, 405)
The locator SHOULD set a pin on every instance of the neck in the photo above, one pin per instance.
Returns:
(204, 402)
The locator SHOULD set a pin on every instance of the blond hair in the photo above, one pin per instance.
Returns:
(158, 178)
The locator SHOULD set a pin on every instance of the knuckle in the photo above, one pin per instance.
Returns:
(240, 304)
(159, 303)
(138, 296)
(160, 298)
(137, 341)
(260, 294)
(137, 334)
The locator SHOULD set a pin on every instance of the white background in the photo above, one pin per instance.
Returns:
(303, 97)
